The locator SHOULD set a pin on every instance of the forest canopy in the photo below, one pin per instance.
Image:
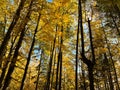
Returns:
(59, 44)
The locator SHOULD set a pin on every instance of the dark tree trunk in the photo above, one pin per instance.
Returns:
(77, 44)
(6, 63)
(109, 75)
(91, 78)
(50, 63)
(108, 47)
(91, 42)
(80, 27)
(90, 67)
(57, 71)
(89, 63)
(14, 59)
(10, 29)
(114, 22)
(110, 80)
(105, 70)
(13, 62)
(114, 70)
(30, 52)
(83, 76)
(61, 43)
(53, 71)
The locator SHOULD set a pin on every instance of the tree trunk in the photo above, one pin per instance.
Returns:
(30, 52)
(108, 47)
(10, 29)
(53, 70)
(83, 76)
(109, 75)
(6, 63)
(57, 71)
(13, 62)
(77, 44)
(91, 79)
(110, 80)
(114, 22)
(89, 63)
(14, 59)
(80, 26)
(50, 63)
(61, 43)
(90, 67)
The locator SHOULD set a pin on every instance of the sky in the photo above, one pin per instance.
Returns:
(49, 0)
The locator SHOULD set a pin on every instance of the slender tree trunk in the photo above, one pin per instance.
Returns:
(116, 26)
(6, 63)
(116, 78)
(108, 84)
(60, 76)
(10, 29)
(105, 70)
(112, 62)
(91, 42)
(57, 71)
(110, 80)
(64, 86)
(90, 74)
(109, 75)
(50, 63)
(108, 47)
(14, 59)
(90, 67)
(89, 63)
(83, 76)
(30, 52)
(77, 44)
(61, 43)
(53, 70)
(36, 88)
(80, 26)
(12, 65)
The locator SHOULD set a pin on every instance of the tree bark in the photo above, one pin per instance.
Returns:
(57, 71)
(6, 63)
(50, 63)
(77, 44)
(91, 79)
(14, 59)
(114, 22)
(53, 71)
(13, 62)
(61, 43)
(30, 52)
(83, 76)
(108, 47)
(109, 75)
(10, 29)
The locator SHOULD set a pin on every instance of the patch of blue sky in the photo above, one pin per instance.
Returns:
(49, 0)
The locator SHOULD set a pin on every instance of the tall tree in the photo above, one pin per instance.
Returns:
(14, 59)
(10, 29)
(30, 52)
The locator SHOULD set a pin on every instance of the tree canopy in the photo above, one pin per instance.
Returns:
(59, 44)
